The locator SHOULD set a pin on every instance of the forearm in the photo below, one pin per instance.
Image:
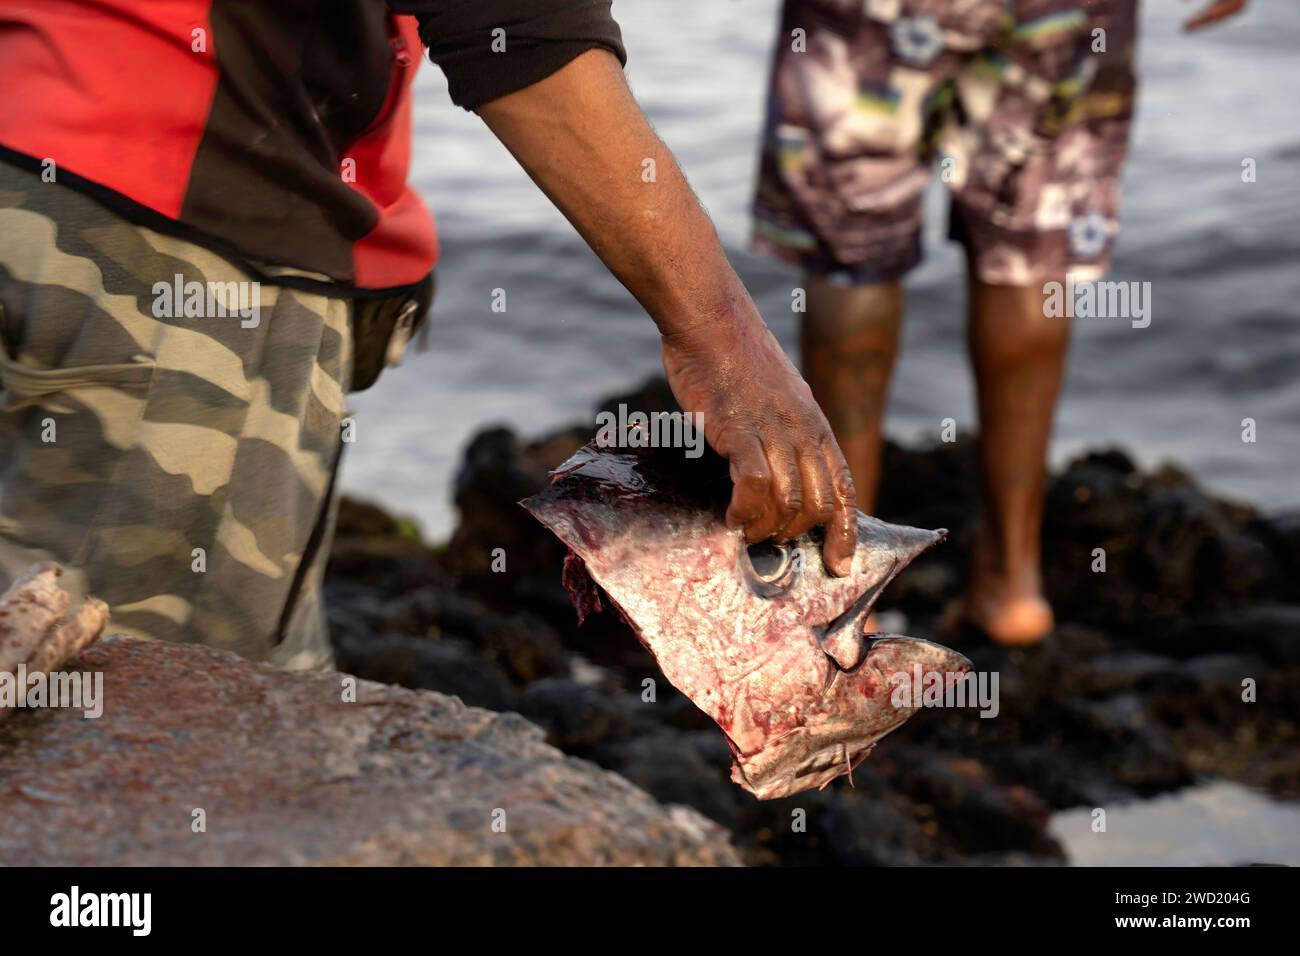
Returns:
(582, 138)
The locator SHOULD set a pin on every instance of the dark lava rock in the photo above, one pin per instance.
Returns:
(667, 767)
(497, 472)
(1169, 549)
(1128, 670)
(577, 718)
(869, 832)
(447, 665)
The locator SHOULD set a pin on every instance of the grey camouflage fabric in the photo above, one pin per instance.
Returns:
(180, 467)
(1026, 115)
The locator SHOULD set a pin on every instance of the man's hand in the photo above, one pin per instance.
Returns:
(583, 139)
(787, 472)
(1216, 11)
(36, 631)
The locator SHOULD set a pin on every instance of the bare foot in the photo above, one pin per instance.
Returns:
(1009, 609)
(1010, 621)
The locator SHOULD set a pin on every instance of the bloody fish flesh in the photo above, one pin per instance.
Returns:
(761, 638)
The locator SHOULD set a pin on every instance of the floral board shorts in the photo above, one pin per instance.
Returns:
(1024, 106)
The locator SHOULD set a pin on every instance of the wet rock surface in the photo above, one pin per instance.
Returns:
(1138, 693)
(279, 769)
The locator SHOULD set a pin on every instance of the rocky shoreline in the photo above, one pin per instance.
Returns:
(1140, 692)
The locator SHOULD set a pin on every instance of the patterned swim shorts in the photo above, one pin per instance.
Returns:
(1024, 104)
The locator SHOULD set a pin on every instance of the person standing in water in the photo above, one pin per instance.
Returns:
(1026, 105)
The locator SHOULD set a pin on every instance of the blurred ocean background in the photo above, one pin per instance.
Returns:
(1223, 258)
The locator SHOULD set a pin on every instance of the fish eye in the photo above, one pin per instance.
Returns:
(769, 560)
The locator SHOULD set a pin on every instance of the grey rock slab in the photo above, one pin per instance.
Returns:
(286, 772)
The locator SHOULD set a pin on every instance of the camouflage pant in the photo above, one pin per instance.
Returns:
(1026, 102)
(181, 467)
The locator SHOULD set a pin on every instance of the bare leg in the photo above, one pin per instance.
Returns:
(849, 341)
(1019, 360)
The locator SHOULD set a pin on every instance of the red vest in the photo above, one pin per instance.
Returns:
(277, 132)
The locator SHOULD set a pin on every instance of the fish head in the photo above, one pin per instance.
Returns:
(760, 636)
